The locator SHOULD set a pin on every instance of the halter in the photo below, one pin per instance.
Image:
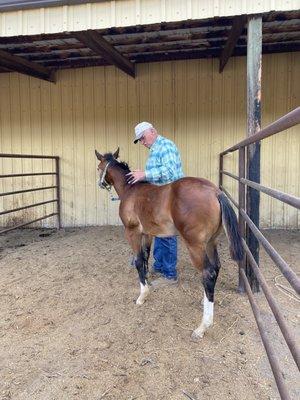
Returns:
(103, 184)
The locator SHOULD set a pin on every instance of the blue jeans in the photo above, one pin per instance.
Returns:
(165, 256)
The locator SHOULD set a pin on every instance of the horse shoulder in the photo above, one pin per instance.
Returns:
(127, 213)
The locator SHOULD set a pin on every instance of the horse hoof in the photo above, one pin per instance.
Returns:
(196, 336)
(139, 301)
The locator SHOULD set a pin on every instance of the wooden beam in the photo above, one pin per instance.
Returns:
(254, 68)
(76, 63)
(2, 69)
(19, 64)
(234, 34)
(100, 46)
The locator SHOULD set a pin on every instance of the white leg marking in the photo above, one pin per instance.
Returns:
(207, 319)
(144, 293)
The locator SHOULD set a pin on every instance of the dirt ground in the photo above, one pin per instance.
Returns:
(69, 328)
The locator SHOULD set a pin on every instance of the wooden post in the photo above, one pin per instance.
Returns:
(254, 50)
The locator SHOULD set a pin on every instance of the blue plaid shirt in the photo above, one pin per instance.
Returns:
(164, 162)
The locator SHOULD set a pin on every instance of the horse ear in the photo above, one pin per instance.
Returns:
(98, 155)
(116, 153)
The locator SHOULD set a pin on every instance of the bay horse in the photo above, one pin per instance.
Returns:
(193, 207)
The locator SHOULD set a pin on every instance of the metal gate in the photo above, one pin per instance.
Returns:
(249, 262)
(56, 200)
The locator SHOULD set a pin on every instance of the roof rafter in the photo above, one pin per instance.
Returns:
(100, 46)
(234, 34)
(19, 64)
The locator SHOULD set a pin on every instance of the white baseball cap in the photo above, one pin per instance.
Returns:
(139, 130)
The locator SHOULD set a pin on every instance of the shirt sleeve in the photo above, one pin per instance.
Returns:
(165, 166)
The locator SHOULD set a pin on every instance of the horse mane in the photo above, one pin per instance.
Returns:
(121, 165)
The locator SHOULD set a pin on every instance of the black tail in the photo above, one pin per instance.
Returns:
(230, 225)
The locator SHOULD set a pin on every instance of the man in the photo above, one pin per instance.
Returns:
(163, 166)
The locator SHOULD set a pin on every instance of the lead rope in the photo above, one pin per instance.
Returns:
(112, 198)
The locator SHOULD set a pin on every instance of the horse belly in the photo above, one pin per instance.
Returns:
(159, 228)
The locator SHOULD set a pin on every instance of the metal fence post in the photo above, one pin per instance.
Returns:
(242, 229)
(57, 170)
(220, 170)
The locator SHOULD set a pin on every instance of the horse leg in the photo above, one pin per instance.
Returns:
(146, 246)
(141, 249)
(142, 267)
(210, 273)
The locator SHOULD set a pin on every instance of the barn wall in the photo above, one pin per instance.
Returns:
(105, 14)
(188, 101)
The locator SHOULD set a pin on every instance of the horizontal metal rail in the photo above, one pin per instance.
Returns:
(28, 190)
(283, 123)
(25, 207)
(290, 339)
(27, 223)
(231, 175)
(269, 349)
(278, 260)
(30, 174)
(277, 194)
(3, 155)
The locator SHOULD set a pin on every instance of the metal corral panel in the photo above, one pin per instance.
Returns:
(105, 14)
(188, 101)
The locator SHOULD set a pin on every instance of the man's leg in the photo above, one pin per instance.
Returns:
(157, 255)
(169, 257)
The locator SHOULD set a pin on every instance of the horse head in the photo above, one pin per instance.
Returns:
(105, 180)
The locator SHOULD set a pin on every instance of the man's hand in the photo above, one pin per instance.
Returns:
(135, 176)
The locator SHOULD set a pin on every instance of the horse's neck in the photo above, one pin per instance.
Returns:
(119, 182)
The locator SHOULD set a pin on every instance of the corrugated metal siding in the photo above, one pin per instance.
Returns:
(188, 101)
(119, 13)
